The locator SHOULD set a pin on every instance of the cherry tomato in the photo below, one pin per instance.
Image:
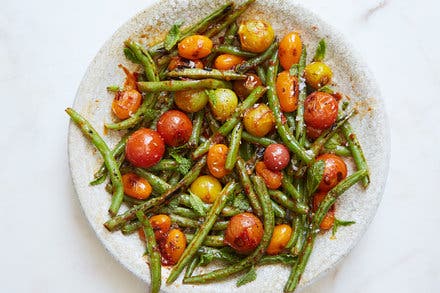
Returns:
(177, 62)
(290, 50)
(126, 103)
(273, 179)
(195, 47)
(334, 172)
(175, 128)
(244, 87)
(317, 75)
(320, 110)
(256, 35)
(223, 103)
(216, 160)
(329, 218)
(276, 157)
(135, 186)
(287, 91)
(173, 247)
(207, 188)
(259, 120)
(191, 101)
(280, 237)
(313, 133)
(145, 148)
(227, 61)
(161, 224)
(244, 232)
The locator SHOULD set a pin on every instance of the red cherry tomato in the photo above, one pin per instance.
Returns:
(244, 232)
(335, 171)
(320, 110)
(276, 157)
(145, 148)
(175, 128)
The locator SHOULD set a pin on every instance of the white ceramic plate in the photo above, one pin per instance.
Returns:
(351, 76)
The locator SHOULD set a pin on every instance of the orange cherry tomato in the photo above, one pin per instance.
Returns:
(126, 103)
(259, 120)
(195, 47)
(273, 179)
(173, 247)
(290, 50)
(177, 62)
(320, 110)
(144, 148)
(244, 87)
(287, 90)
(227, 61)
(329, 218)
(135, 186)
(244, 232)
(216, 160)
(161, 225)
(335, 171)
(280, 237)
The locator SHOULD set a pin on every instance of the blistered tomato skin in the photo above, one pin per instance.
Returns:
(161, 224)
(227, 61)
(207, 188)
(329, 218)
(276, 157)
(135, 186)
(256, 35)
(191, 101)
(144, 148)
(244, 233)
(223, 103)
(216, 160)
(173, 247)
(273, 179)
(317, 75)
(335, 171)
(290, 50)
(126, 103)
(287, 90)
(320, 110)
(243, 88)
(259, 120)
(195, 47)
(175, 128)
(280, 237)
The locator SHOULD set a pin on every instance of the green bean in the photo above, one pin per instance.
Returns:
(264, 141)
(192, 266)
(198, 27)
(283, 200)
(197, 73)
(219, 254)
(323, 208)
(101, 174)
(228, 211)
(228, 49)
(261, 74)
(234, 147)
(247, 186)
(356, 151)
(174, 178)
(144, 58)
(210, 240)
(276, 259)
(181, 85)
(115, 175)
(290, 189)
(197, 129)
(301, 231)
(190, 223)
(180, 213)
(319, 143)
(295, 232)
(203, 231)
(278, 210)
(229, 19)
(339, 150)
(164, 165)
(246, 150)
(274, 104)
(212, 122)
(131, 227)
(230, 34)
(290, 117)
(253, 258)
(158, 185)
(257, 60)
(227, 127)
(133, 201)
(300, 134)
(120, 220)
(152, 251)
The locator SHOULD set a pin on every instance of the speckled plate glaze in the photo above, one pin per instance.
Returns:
(351, 77)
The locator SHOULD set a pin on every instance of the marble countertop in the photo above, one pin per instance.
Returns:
(47, 245)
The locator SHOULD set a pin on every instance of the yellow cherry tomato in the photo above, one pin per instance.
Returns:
(207, 188)
(256, 35)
